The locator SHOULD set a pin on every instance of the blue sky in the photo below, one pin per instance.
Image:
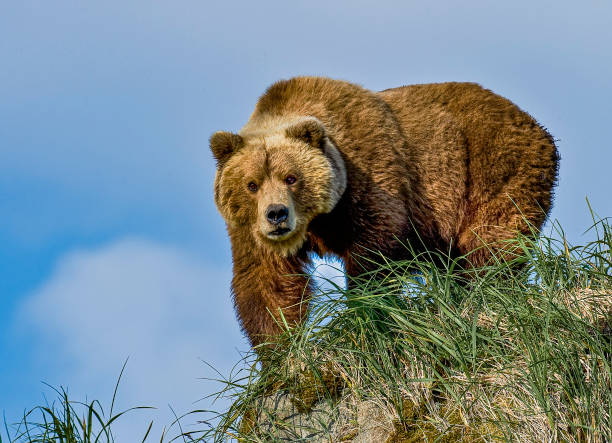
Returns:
(110, 244)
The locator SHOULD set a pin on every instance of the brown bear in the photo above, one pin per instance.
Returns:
(329, 167)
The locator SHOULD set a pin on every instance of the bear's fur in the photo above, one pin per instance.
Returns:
(328, 167)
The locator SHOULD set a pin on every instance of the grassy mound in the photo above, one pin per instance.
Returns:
(518, 351)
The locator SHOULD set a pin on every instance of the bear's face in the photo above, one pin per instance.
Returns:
(274, 183)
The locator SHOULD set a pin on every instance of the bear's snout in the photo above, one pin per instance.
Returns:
(277, 214)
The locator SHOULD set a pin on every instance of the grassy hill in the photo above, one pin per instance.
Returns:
(518, 351)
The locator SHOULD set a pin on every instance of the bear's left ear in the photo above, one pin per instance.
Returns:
(224, 144)
(309, 130)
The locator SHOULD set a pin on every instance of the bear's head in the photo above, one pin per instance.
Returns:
(274, 180)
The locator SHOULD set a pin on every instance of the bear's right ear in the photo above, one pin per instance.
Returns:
(309, 130)
(224, 144)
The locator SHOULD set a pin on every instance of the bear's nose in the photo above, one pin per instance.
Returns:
(277, 214)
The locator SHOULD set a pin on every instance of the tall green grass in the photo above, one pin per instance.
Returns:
(520, 350)
(70, 421)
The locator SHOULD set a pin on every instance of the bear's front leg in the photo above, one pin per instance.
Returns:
(264, 286)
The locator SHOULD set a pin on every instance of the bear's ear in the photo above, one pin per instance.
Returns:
(309, 130)
(224, 144)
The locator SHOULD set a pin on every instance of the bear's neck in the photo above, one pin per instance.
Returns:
(332, 233)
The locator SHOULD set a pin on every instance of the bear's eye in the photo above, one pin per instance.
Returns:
(252, 187)
(290, 179)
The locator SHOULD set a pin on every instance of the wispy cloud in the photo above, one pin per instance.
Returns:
(156, 305)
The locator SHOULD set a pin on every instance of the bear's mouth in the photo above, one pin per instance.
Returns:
(279, 232)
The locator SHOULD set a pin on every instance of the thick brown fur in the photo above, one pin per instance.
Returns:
(448, 167)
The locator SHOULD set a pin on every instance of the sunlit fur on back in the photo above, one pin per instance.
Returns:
(326, 166)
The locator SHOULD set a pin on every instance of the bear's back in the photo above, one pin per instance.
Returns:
(475, 147)
(498, 137)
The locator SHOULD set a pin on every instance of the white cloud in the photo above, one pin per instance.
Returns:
(159, 306)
